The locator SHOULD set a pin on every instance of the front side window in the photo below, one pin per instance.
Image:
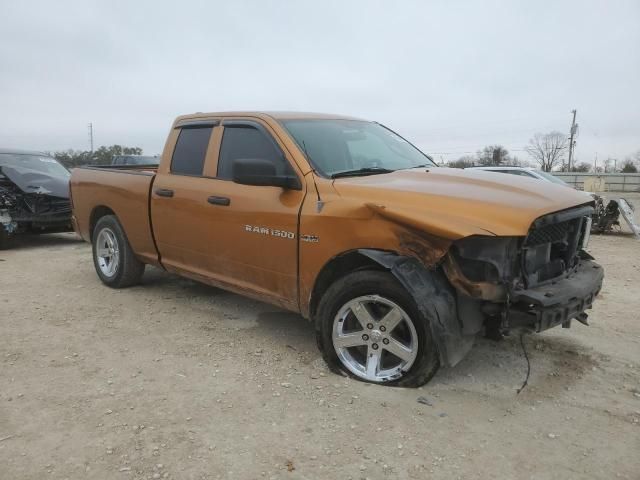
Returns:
(191, 150)
(244, 142)
(335, 146)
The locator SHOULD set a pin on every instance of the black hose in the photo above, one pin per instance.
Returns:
(526, 356)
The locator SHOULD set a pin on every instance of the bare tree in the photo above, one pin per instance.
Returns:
(516, 162)
(581, 167)
(548, 149)
(632, 161)
(493, 155)
(463, 162)
(629, 167)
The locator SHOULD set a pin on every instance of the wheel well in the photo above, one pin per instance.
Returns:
(96, 215)
(336, 268)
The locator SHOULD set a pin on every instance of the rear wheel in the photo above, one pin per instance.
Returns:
(370, 328)
(114, 260)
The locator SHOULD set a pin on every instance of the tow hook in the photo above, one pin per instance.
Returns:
(582, 318)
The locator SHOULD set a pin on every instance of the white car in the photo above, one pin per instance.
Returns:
(605, 215)
(524, 172)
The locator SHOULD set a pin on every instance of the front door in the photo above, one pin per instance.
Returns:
(254, 231)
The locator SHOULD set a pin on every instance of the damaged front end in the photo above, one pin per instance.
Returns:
(32, 201)
(499, 283)
(8, 201)
(535, 282)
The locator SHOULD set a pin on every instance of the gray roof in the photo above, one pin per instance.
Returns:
(17, 151)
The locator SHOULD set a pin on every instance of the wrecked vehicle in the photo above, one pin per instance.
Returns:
(399, 263)
(34, 195)
(607, 216)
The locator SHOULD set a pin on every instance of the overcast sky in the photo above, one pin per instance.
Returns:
(450, 76)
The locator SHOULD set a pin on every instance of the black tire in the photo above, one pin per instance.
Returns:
(128, 269)
(382, 284)
(6, 240)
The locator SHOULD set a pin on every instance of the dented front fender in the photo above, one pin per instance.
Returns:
(436, 300)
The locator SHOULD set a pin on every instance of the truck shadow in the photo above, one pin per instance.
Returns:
(235, 311)
(289, 328)
(156, 279)
(558, 361)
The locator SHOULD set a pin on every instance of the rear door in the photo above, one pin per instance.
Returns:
(180, 213)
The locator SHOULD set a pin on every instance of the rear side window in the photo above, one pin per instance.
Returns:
(191, 150)
(248, 142)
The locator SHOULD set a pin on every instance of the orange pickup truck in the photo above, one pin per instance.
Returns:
(399, 263)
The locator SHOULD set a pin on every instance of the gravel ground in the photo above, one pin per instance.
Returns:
(173, 379)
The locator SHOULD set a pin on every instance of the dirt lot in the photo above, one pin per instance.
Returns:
(173, 379)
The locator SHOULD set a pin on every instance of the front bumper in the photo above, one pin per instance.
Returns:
(559, 301)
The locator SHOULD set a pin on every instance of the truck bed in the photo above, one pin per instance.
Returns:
(126, 190)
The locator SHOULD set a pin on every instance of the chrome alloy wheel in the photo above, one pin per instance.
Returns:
(374, 338)
(107, 252)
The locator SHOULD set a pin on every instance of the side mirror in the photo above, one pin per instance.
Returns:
(262, 172)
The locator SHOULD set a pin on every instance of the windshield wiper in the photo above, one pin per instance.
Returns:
(361, 172)
(424, 165)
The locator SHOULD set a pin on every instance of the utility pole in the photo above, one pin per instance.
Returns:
(574, 129)
(91, 136)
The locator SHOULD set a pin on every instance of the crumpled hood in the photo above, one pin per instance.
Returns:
(455, 203)
(34, 181)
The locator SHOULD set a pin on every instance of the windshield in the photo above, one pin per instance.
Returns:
(335, 146)
(551, 178)
(39, 163)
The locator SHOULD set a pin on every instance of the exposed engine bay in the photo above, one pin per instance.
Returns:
(543, 280)
(34, 195)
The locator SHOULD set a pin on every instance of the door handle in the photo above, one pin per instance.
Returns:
(164, 192)
(224, 201)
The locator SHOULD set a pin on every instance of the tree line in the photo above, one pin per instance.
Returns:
(549, 151)
(101, 156)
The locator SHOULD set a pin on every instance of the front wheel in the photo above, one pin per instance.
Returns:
(370, 328)
(114, 260)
